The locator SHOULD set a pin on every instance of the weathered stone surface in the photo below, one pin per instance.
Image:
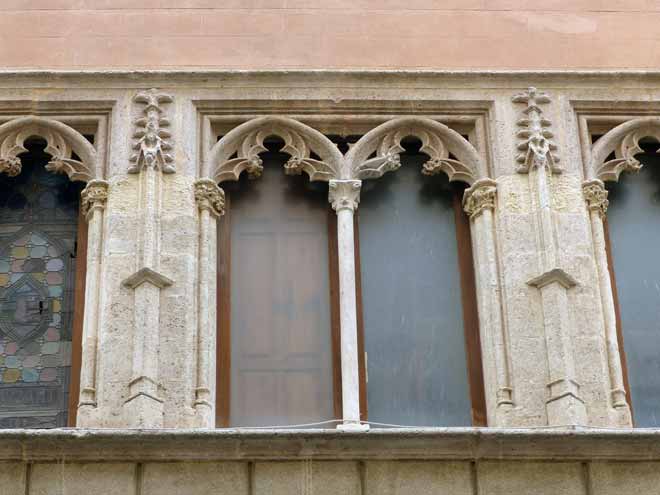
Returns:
(532, 352)
(530, 478)
(423, 478)
(12, 477)
(70, 479)
(624, 477)
(187, 478)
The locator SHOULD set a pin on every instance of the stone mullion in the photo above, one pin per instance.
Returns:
(210, 202)
(479, 204)
(93, 203)
(596, 197)
(344, 196)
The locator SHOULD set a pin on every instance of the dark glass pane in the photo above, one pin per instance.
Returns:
(416, 365)
(38, 223)
(281, 353)
(634, 224)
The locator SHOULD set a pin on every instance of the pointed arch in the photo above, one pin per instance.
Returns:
(623, 141)
(247, 141)
(62, 142)
(438, 142)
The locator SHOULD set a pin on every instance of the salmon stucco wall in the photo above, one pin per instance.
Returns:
(337, 34)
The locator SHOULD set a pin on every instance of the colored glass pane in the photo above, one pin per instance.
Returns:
(38, 223)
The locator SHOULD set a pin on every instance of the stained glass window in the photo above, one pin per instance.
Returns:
(38, 226)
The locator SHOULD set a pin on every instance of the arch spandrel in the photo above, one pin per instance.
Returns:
(62, 142)
(623, 141)
(438, 142)
(247, 141)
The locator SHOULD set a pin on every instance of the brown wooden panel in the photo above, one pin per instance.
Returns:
(470, 314)
(275, 321)
(333, 267)
(223, 305)
(362, 365)
(78, 318)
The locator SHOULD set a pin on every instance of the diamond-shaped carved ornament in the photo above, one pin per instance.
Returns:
(24, 309)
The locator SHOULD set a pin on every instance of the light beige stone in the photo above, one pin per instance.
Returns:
(418, 477)
(12, 478)
(530, 478)
(188, 478)
(539, 342)
(609, 478)
(73, 479)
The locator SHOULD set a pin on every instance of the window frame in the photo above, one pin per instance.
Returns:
(223, 316)
(472, 337)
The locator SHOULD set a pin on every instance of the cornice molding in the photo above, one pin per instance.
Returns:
(131, 445)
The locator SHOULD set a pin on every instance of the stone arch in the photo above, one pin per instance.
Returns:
(246, 142)
(62, 142)
(623, 141)
(438, 141)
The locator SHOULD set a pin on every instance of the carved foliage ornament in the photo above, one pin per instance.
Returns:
(12, 145)
(94, 196)
(296, 145)
(481, 196)
(389, 147)
(595, 195)
(151, 141)
(209, 196)
(537, 150)
(625, 153)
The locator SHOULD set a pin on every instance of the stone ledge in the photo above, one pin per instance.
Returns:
(195, 77)
(74, 445)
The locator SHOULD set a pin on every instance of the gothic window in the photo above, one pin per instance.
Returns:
(40, 308)
(633, 221)
(288, 351)
(275, 347)
(418, 301)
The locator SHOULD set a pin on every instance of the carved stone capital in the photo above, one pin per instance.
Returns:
(10, 165)
(481, 196)
(94, 196)
(209, 196)
(344, 194)
(595, 196)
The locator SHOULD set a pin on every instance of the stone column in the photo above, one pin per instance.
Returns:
(94, 198)
(344, 195)
(144, 405)
(595, 196)
(210, 201)
(564, 404)
(479, 204)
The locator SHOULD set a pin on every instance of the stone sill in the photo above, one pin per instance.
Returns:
(575, 443)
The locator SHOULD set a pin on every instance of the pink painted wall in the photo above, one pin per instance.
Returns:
(343, 34)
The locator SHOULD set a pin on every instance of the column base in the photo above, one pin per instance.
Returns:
(353, 427)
